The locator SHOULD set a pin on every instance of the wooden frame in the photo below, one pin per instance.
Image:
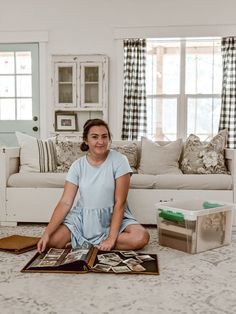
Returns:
(66, 121)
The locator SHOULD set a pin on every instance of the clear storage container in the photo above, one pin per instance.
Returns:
(194, 226)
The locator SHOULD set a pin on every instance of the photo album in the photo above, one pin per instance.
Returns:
(93, 260)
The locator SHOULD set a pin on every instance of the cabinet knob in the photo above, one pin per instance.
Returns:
(35, 128)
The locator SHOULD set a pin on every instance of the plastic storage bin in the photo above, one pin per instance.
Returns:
(194, 226)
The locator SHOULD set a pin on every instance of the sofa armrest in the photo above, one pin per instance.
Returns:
(9, 163)
(230, 158)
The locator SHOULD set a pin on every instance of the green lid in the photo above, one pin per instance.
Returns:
(169, 215)
(207, 205)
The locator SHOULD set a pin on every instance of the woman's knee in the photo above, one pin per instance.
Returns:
(140, 239)
(60, 238)
(144, 238)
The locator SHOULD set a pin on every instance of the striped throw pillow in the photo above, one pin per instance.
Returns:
(36, 155)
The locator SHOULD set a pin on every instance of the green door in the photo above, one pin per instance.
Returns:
(19, 91)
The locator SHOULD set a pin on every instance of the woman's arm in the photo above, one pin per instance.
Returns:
(121, 192)
(59, 213)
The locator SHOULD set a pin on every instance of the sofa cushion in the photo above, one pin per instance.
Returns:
(194, 182)
(204, 158)
(36, 155)
(156, 159)
(142, 181)
(37, 180)
(138, 181)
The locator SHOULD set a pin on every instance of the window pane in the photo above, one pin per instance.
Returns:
(24, 109)
(24, 86)
(23, 62)
(7, 86)
(65, 74)
(163, 67)
(203, 67)
(91, 74)
(162, 119)
(7, 63)
(7, 109)
(203, 117)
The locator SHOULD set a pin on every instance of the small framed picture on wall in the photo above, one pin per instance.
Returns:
(66, 121)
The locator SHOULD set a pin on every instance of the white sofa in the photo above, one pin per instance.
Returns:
(31, 197)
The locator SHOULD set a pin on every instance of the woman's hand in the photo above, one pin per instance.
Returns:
(42, 244)
(107, 245)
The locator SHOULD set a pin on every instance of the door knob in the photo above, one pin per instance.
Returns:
(35, 128)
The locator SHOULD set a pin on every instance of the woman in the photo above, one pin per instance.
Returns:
(101, 216)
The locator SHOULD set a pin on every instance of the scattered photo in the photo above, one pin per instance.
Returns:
(145, 258)
(131, 261)
(112, 256)
(121, 269)
(110, 262)
(137, 267)
(102, 267)
(128, 253)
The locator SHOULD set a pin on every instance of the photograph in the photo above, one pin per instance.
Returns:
(44, 263)
(121, 269)
(145, 258)
(101, 267)
(108, 261)
(131, 261)
(137, 267)
(66, 121)
(128, 253)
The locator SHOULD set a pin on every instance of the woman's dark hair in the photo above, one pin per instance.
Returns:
(87, 126)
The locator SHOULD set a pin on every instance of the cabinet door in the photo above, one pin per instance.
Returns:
(91, 81)
(65, 85)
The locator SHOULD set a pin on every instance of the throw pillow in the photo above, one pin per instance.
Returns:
(156, 159)
(67, 152)
(130, 150)
(204, 158)
(36, 155)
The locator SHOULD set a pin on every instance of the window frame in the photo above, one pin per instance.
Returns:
(182, 97)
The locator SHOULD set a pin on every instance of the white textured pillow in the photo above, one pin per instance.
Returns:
(36, 155)
(156, 159)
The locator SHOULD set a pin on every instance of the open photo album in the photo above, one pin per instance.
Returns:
(93, 260)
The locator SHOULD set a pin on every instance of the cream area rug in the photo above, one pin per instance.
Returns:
(202, 283)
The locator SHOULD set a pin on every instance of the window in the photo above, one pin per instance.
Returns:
(17, 81)
(183, 83)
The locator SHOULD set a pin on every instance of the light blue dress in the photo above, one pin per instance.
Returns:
(89, 221)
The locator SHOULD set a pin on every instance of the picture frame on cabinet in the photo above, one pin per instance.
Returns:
(66, 121)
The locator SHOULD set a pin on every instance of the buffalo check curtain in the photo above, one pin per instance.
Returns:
(135, 111)
(228, 97)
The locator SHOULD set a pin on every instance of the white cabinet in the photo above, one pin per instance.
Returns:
(80, 86)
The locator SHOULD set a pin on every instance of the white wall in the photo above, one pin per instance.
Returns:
(95, 26)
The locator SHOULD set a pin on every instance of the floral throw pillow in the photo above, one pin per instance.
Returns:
(67, 153)
(204, 158)
(130, 151)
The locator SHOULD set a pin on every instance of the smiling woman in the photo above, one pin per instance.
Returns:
(101, 217)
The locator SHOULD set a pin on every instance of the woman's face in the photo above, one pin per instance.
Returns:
(98, 140)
